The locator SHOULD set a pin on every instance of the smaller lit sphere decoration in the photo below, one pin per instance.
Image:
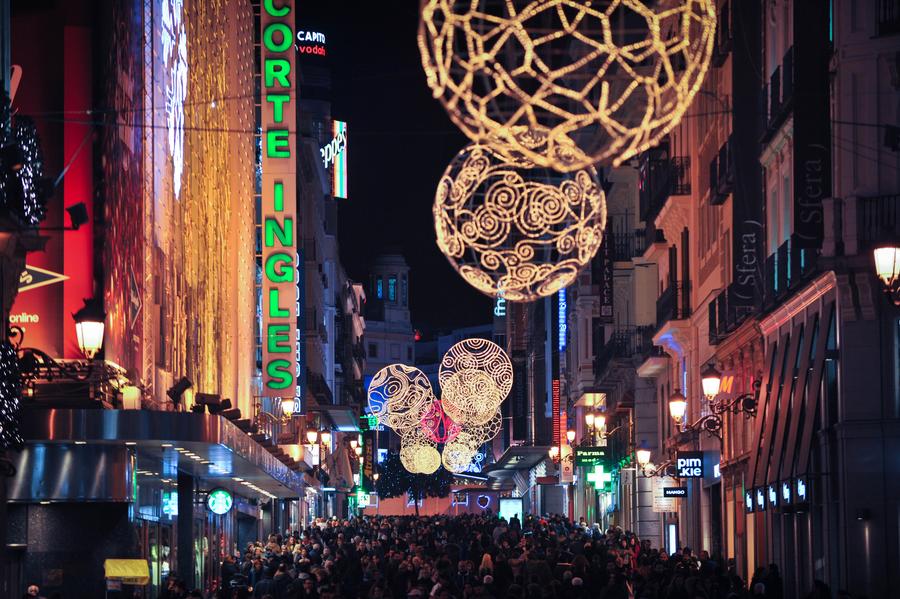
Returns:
(470, 397)
(487, 430)
(566, 83)
(399, 396)
(478, 354)
(516, 229)
(458, 454)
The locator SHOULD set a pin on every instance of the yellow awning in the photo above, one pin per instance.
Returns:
(129, 571)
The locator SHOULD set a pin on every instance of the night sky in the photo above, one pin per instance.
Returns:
(400, 141)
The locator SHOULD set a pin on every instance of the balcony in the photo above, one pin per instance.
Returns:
(786, 269)
(721, 174)
(778, 95)
(661, 178)
(726, 313)
(888, 17)
(626, 343)
(625, 243)
(877, 220)
(674, 303)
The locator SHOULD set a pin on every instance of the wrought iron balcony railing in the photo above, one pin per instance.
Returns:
(785, 270)
(726, 313)
(877, 219)
(674, 303)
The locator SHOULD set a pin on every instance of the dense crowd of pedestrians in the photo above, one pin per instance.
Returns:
(480, 557)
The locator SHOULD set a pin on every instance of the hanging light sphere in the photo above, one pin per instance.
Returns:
(438, 425)
(457, 456)
(516, 229)
(399, 396)
(566, 83)
(470, 397)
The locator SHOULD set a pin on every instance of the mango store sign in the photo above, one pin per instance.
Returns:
(279, 199)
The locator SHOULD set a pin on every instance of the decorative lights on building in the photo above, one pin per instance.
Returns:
(564, 83)
(510, 226)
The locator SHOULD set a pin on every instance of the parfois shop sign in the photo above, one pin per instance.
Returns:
(279, 199)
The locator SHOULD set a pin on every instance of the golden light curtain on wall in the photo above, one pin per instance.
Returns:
(475, 375)
(179, 197)
(566, 83)
(209, 254)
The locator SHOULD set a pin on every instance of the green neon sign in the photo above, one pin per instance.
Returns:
(219, 501)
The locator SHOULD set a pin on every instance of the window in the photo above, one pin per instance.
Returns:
(404, 290)
(379, 288)
(373, 350)
(392, 288)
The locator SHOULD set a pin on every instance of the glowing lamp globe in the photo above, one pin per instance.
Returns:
(887, 264)
(589, 419)
(642, 453)
(566, 83)
(287, 406)
(326, 437)
(599, 420)
(677, 405)
(554, 453)
(516, 229)
(570, 436)
(89, 326)
(710, 380)
(311, 437)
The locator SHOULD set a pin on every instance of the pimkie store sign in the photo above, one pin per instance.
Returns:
(334, 158)
(279, 200)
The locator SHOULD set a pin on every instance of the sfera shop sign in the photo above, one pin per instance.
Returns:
(311, 42)
(279, 200)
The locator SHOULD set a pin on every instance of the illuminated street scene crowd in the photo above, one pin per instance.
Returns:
(512, 299)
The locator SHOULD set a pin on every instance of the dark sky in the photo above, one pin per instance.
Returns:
(400, 141)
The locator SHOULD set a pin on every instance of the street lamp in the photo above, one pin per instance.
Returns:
(589, 419)
(554, 453)
(599, 420)
(570, 436)
(326, 437)
(677, 406)
(358, 450)
(710, 380)
(288, 404)
(642, 453)
(89, 326)
(312, 436)
(353, 444)
(887, 267)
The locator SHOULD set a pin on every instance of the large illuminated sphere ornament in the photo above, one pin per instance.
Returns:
(478, 354)
(566, 83)
(515, 229)
(399, 396)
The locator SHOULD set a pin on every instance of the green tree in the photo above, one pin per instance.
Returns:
(394, 481)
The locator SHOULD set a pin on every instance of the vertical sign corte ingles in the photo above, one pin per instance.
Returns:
(279, 199)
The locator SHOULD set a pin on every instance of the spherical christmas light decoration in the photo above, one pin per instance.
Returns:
(515, 229)
(470, 397)
(457, 455)
(438, 425)
(488, 430)
(566, 83)
(399, 396)
(478, 354)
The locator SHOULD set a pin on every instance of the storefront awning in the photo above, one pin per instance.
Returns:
(128, 571)
(516, 458)
(342, 418)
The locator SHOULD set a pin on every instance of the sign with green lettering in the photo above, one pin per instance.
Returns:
(589, 456)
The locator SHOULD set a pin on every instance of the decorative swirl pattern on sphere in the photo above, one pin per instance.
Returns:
(399, 395)
(566, 83)
(515, 228)
(475, 376)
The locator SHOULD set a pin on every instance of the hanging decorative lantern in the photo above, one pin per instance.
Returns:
(516, 229)
(566, 83)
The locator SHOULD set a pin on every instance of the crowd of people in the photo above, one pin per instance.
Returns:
(481, 557)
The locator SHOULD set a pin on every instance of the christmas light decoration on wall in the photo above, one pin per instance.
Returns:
(513, 227)
(476, 376)
(566, 83)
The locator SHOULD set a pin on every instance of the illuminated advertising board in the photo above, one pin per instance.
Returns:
(279, 199)
(334, 157)
(311, 43)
